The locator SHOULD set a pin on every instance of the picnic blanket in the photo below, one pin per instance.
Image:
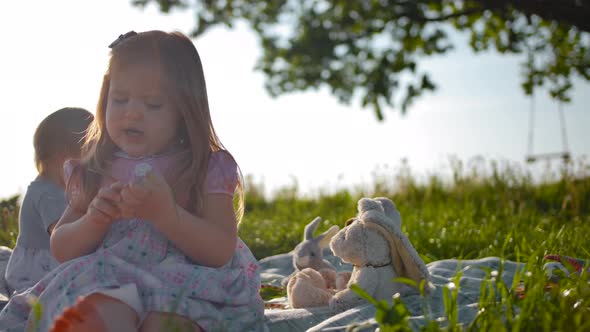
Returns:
(442, 272)
(275, 268)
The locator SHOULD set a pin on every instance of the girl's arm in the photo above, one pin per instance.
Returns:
(74, 236)
(77, 234)
(208, 241)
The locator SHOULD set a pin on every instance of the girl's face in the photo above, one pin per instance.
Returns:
(140, 119)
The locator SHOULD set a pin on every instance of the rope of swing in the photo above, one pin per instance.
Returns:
(531, 137)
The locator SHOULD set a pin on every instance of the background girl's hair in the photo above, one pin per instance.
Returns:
(61, 133)
(175, 56)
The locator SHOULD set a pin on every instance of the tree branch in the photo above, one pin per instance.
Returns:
(443, 18)
(569, 12)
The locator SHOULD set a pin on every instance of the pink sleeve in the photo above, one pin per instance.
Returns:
(69, 166)
(222, 174)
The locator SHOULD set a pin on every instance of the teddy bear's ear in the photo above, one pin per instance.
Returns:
(366, 204)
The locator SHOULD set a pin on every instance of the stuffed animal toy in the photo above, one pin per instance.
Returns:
(309, 252)
(312, 288)
(379, 251)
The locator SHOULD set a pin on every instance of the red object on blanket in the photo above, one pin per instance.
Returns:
(576, 263)
(269, 292)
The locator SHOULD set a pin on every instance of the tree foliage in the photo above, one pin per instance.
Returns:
(371, 48)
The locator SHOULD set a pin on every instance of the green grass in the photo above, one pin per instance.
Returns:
(484, 209)
(563, 307)
(491, 211)
(9, 221)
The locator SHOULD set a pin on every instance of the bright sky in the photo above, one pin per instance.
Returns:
(54, 54)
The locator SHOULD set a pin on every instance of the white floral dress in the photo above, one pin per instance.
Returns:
(135, 254)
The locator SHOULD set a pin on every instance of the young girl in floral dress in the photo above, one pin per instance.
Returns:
(149, 238)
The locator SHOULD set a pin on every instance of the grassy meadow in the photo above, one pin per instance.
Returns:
(482, 209)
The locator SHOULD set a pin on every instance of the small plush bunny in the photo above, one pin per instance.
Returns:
(309, 252)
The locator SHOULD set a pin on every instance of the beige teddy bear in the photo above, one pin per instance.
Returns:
(379, 252)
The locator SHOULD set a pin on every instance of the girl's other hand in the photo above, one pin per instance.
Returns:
(104, 208)
(149, 199)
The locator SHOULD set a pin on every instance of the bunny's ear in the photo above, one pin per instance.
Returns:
(310, 228)
(326, 236)
(390, 210)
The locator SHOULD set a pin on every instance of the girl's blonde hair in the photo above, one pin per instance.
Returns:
(180, 63)
(61, 134)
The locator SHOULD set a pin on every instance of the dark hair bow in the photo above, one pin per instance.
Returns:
(121, 38)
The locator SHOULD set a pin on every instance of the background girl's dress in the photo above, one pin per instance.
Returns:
(135, 256)
(30, 260)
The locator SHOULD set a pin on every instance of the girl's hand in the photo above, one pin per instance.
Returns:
(104, 208)
(150, 200)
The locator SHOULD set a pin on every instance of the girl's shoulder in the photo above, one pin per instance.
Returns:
(222, 173)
